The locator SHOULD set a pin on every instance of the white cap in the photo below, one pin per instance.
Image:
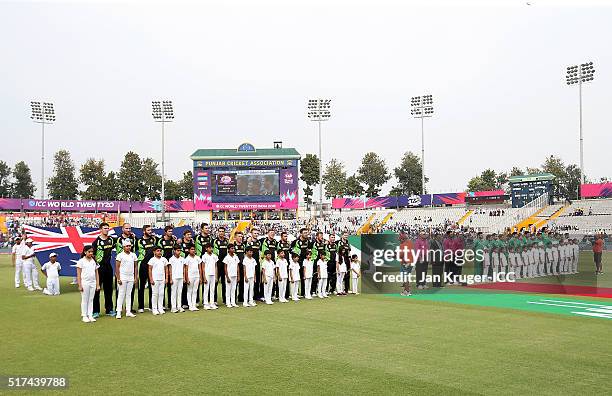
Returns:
(29, 240)
(53, 255)
(127, 242)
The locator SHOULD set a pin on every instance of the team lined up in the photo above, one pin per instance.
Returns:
(189, 268)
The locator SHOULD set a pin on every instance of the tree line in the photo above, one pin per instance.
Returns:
(138, 179)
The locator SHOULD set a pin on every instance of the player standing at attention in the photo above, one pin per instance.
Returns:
(88, 282)
(146, 244)
(319, 247)
(285, 246)
(267, 276)
(307, 272)
(239, 249)
(167, 242)
(103, 248)
(51, 270)
(270, 244)
(177, 272)
(210, 276)
(126, 269)
(249, 266)
(355, 274)
(17, 261)
(186, 243)
(301, 246)
(322, 276)
(126, 234)
(255, 244)
(294, 276)
(220, 250)
(340, 274)
(332, 264)
(281, 275)
(232, 276)
(192, 276)
(29, 268)
(158, 276)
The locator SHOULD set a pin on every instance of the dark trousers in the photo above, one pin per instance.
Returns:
(331, 275)
(437, 272)
(449, 268)
(421, 273)
(221, 274)
(258, 285)
(457, 271)
(143, 279)
(241, 283)
(315, 282)
(347, 277)
(168, 302)
(302, 291)
(106, 284)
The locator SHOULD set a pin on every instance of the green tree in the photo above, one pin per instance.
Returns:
(130, 182)
(22, 185)
(408, 175)
(173, 191)
(516, 171)
(353, 186)
(309, 168)
(532, 171)
(571, 183)
(373, 172)
(186, 185)
(63, 184)
(111, 187)
(487, 180)
(334, 179)
(93, 177)
(5, 179)
(151, 179)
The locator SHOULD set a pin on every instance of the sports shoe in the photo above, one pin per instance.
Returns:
(130, 315)
(16, 286)
(155, 313)
(235, 306)
(253, 304)
(295, 299)
(141, 311)
(112, 313)
(174, 310)
(181, 309)
(119, 316)
(269, 302)
(38, 288)
(45, 291)
(308, 298)
(92, 319)
(30, 288)
(95, 315)
(161, 312)
(245, 305)
(207, 307)
(85, 319)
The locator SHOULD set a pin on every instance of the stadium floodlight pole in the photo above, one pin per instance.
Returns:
(163, 112)
(578, 74)
(42, 113)
(422, 107)
(319, 111)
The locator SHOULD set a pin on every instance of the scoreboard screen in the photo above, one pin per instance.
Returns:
(525, 192)
(245, 184)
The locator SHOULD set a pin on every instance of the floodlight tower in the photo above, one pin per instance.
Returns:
(579, 74)
(422, 107)
(163, 112)
(42, 113)
(319, 111)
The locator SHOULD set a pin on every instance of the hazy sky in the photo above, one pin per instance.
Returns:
(243, 71)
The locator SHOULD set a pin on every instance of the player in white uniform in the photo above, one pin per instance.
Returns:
(51, 270)
(526, 261)
(282, 275)
(355, 274)
(555, 258)
(232, 276)
(88, 280)
(503, 260)
(576, 248)
(541, 259)
(29, 268)
(209, 272)
(532, 262)
(495, 262)
(486, 262)
(249, 265)
(307, 271)
(294, 276)
(126, 272)
(158, 276)
(193, 274)
(18, 261)
(322, 276)
(177, 276)
(267, 276)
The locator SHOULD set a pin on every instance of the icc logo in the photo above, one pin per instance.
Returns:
(226, 179)
(414, 200)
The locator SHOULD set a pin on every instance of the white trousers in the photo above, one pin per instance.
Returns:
(340, 282)
(293, 289)
(248, 290)
(30, 278)
(192, 292)
(307, 286)
(209, 290)
(53, 287)
(19, 273)
(157, 296)
(268, 289)
(322, 287)
(354, 284)
(282, 289)
(176, 293)
(230, 291)
(124, 289)
(87, 296)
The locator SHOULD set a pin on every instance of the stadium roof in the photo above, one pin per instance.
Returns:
(531, 177)
(245, 152)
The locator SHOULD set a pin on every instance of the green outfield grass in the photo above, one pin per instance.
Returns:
(343, 345)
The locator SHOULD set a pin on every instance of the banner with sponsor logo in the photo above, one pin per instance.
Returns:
(47, 205)
(598, 190)
(381, 202)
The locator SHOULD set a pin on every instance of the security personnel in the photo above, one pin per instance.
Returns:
(167, 243)
(103, 249)
(344, 255)
(204, 238)
(239, 249)
(220, 249)
(145, 245)
(285, 246)
(300, 246)
(332, 248)
(255, 244)
(319, 247)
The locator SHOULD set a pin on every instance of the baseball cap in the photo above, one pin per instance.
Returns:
(53, 255)
(29, 240)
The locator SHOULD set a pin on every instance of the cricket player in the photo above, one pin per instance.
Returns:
(31, 272)
(18, 261)
(51, 270)
(126, 270)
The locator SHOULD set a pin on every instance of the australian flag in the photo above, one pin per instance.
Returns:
(68, 243)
